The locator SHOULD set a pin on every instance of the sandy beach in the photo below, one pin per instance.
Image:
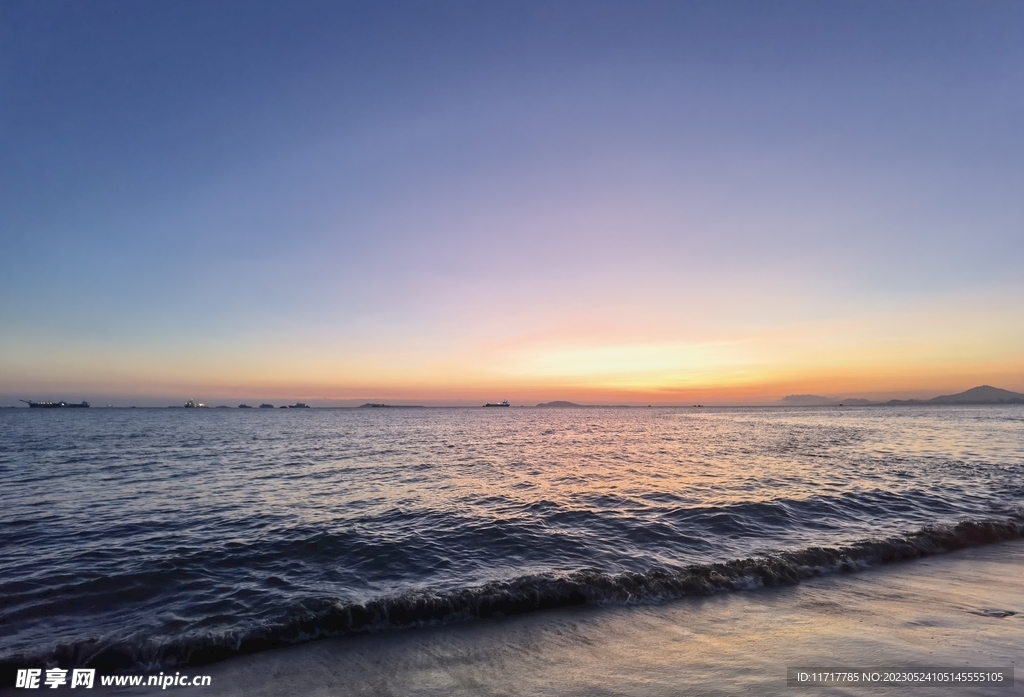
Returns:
(940, 611)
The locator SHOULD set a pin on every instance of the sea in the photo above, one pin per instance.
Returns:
(144, 539)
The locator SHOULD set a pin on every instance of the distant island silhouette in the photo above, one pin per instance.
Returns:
(983, 394)
(562, 404)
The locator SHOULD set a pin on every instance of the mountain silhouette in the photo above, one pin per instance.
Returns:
(983, 394)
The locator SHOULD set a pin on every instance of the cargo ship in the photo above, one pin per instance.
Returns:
(498, 404)
(54, 405)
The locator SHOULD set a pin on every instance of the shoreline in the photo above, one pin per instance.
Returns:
(527, 595)
(926, 612)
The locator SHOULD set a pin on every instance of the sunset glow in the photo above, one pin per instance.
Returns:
(481, 204)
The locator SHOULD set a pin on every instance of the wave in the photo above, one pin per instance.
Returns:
(320, 618)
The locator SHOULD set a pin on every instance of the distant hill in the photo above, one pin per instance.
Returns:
(808, 400)
(560, 404)
(813, 400)
(985, 394)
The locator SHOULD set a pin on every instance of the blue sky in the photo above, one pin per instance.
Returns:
(431, 200)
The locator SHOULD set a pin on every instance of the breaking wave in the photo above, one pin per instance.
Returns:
(319, 618)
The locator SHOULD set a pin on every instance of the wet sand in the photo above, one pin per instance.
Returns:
(930, 612)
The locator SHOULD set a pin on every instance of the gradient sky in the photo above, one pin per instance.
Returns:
(440, 202)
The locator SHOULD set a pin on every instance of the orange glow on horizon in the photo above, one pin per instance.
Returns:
(908, 352)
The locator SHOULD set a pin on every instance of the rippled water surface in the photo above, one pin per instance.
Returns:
(125, 532)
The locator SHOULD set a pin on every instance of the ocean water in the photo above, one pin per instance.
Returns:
(142, 538)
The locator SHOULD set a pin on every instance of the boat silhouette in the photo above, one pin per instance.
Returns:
(53, 405)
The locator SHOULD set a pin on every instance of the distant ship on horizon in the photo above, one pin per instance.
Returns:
(53, 405)
(498, 404)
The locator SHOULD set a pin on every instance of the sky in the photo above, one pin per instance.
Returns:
(447, 202)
